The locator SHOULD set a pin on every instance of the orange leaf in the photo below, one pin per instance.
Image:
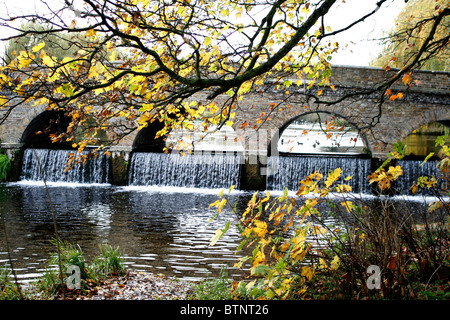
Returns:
(406, 79)
(392, 265)
(388, 92)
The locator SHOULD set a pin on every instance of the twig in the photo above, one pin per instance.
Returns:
(54, 224)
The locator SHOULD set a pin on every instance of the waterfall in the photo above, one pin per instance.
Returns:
(412, 170)
(54, 163)
(288, 171)
(191, 171)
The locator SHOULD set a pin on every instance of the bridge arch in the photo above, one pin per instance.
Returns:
(223, 140)
(422, 141)
(41, 125)
(330, 124)
(36, 133)
(415, 121)
(145, 140)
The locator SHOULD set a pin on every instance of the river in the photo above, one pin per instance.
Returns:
(159, 230)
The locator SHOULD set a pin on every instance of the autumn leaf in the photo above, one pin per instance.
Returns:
(392, 265)
(219, 234)
(407, 79)
(307, 272)
(332, 177)
(48, 61)
(38, 47)
(348, 205)
(260, 228)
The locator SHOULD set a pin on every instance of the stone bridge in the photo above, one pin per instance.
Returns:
(428, 100)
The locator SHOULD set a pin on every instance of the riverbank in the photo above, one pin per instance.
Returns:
(132, 286)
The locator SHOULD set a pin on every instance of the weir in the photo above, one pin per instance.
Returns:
(192, 171)
(412, 170)
(216, 170)
(52, 164)
(288, 171)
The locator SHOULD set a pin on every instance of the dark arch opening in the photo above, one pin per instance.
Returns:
(422, 141)
(37, 133)
(146, 140)
(319, 133)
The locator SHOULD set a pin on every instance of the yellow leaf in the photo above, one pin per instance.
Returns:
(260, 258)
(395, 171)
(307, 272)
(38, 47)
(261, 228)
(112, 57)
(348, 205)
(207, 41)
(335, 263)
(48, 61)
(332, 177)
(343, 188)
(91, 32)
(414, 188)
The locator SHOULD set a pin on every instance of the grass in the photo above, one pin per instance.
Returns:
(8, 289)
(108, 264)
(213, 289)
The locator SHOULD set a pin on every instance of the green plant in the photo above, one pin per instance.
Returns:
(297, 253)
(5, 167)
(110, 263)
(70, 254)
(8, 289)
(214, 289)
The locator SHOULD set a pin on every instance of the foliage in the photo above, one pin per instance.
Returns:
(109, 263)
(411, 28)
(297, 253)
(59, 45)
(278, 231)
(5, 167)
(8, 289)
(213, 289)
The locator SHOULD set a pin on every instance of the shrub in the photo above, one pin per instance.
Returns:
(297, 253)
(8, 289)
(5, 167)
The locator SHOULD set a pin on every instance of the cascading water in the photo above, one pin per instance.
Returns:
(412, 170)
(53, 163)
(288, 171)
(192, 171)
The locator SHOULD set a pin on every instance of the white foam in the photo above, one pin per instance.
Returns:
(34, 183)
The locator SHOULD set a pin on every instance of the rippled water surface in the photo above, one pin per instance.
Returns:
(160, 230)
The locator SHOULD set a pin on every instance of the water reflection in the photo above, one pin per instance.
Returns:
(158, 231)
